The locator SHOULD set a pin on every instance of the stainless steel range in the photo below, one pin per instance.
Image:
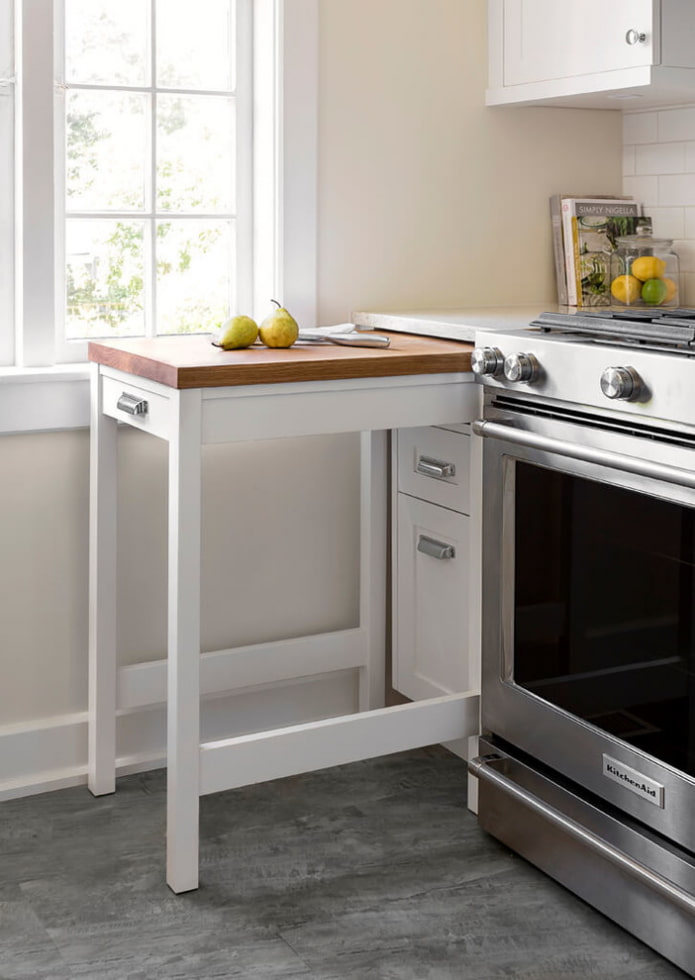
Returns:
(587, 764)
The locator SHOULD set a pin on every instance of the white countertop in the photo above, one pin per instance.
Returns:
(454, 324)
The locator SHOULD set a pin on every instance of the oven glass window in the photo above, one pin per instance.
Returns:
(604, 621)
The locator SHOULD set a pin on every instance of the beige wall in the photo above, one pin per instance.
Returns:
(426, 199)
(280, 550)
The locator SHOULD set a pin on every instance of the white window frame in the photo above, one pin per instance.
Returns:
(7, 192)
(286, 40)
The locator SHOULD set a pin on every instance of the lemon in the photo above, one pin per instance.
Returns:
(648, 267)
(671, 290)
(654, 292)
(626, 289)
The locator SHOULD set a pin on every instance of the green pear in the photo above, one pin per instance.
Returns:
(238, 331)
(279, 329)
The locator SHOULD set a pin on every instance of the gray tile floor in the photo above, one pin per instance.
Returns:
(373, 870)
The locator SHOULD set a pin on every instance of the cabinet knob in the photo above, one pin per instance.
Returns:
(635, 37)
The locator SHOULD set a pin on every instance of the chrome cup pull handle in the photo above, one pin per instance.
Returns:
(434, 548)
(132, 405)
(434, 467)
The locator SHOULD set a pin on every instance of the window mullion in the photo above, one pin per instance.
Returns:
(244, 287)
(151, 205)
(37, 192)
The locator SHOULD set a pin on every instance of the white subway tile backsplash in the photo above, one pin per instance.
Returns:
(659, 170)
(628, 161)
(668, 222)
(676, 124)
(687, 293)
(660, 158)
(686, 255)
(675, 190)
(640, 127)
(644, 189)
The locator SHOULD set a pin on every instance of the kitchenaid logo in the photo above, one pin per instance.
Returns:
(635, 781)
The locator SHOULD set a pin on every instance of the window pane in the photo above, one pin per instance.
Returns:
(106, 137)
(106, 42)
(195, 44)
(195, 153)
(105, 271)
(195, 274)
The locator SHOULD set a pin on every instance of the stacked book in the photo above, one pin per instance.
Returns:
(585, 230)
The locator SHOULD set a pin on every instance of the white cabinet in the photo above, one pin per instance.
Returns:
(591, 53)
(431, 562)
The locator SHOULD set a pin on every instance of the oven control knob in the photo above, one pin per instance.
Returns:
(623, 383)
(520, 368)
(487, 360)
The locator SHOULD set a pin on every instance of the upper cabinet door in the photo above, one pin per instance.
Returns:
(553, 39)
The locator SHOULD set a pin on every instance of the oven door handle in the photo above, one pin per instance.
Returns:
(485, 768)
(604, 457)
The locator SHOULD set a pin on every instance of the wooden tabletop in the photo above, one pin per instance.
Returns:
(193, 362)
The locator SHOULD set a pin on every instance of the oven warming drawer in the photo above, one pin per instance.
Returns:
(641, 882)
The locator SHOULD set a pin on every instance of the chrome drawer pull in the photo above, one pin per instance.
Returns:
(435, 549)
(132, 405)
(434, 467)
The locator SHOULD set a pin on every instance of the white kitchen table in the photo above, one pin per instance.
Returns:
(191, 394)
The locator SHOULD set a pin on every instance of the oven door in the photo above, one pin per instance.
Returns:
(589, 604)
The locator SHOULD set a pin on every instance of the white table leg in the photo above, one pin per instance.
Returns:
(183, 706)
(103, 503)
(373, 525)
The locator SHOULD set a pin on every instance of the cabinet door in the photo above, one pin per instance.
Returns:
(547, 39)
(430, 630)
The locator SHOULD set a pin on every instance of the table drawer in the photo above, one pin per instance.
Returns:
(433, 464)
(143, 409)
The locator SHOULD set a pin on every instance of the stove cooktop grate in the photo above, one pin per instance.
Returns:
(672, 329)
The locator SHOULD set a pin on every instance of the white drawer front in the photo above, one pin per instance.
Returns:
(157, 407)
(433, 464)
(430, 653)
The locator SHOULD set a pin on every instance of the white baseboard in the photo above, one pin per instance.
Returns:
(51, 753)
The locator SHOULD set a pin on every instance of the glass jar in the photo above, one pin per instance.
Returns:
(644, 271)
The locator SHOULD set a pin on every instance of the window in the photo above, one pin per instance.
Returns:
(152, 140)
(155, 130)
(151, 190)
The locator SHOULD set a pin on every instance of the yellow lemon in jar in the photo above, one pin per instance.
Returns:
(671, 290)
(648, 267)
(626, 289)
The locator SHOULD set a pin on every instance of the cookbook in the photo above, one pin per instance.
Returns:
(590, 228)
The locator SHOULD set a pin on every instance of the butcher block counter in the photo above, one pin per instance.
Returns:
(191, 394)
(193, 362)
